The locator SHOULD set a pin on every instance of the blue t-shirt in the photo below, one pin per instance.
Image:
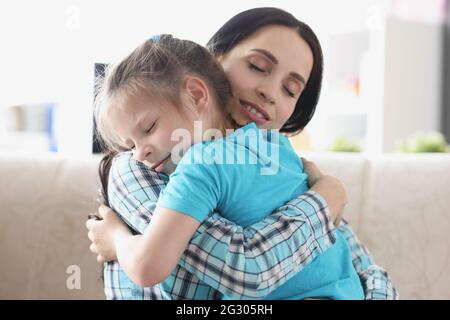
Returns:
(246, 175)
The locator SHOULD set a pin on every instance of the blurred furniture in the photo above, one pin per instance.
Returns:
(371, 83)
(398, 205)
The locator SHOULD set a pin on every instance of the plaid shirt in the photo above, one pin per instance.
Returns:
(226, 259)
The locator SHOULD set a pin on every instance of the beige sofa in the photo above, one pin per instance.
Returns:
(399, 206)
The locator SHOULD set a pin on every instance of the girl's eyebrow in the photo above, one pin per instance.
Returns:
(274, 60)
(142, 122)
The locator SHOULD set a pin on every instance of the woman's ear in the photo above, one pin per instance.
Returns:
(197, 92)
(220, 58)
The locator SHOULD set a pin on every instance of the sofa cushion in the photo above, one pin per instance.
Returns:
(405, 220)
(44, 201)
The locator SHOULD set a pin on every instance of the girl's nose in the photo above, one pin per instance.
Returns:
(141, 154)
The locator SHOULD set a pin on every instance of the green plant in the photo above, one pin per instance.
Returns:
(343, 144)
(425, 142)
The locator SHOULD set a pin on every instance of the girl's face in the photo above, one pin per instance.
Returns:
(268, 72)
(146, 124)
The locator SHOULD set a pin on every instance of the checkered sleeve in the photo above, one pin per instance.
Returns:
(239, 262)
(374, 279)
(249, 263)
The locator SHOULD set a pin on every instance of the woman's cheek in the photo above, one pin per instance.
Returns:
(287, 113)
(238, 114)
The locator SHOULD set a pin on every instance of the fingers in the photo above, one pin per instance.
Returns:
(91, 236)
(102, 210)
(93, 248)
(90, 223)
(314, 174)
(100, 259)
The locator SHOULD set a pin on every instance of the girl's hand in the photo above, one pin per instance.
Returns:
(103, 234)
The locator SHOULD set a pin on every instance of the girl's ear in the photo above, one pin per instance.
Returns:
(197, 92)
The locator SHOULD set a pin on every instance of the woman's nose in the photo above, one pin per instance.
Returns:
(141, 153)
(265, 92)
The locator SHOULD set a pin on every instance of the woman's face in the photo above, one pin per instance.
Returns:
(268, 72)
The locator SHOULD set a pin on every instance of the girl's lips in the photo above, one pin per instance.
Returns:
(252, 116)
(159, 166)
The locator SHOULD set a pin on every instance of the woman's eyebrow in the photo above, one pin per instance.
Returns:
(274, 60)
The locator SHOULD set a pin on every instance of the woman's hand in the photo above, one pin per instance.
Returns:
(330, 188)
(103, 234)
(312, 171)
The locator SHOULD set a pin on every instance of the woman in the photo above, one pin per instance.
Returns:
(218, 256)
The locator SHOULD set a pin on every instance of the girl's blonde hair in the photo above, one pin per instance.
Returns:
(158, 66)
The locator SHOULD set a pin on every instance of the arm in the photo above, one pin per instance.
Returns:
(150, 258)
(374, 279)
(249, 263)
(277, 246)
(252, 262)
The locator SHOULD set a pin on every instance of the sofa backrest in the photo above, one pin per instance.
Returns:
(398, 205)
(44, 202)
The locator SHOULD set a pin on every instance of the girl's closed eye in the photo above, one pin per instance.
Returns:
(150, 128)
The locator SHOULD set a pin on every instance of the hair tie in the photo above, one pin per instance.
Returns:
(156, 38)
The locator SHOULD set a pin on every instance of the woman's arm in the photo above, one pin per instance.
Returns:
(251, 262)
(242, 263)
(375, 281)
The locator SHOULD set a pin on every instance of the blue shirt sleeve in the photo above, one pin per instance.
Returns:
(193, 188)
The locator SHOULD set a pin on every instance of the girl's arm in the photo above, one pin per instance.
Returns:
(150, 258)
(240, 262)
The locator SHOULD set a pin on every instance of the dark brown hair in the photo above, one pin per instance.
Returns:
(245, 24)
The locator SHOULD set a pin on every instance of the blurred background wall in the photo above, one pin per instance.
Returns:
(384, 64)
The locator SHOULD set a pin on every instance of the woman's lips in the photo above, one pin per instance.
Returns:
(159, 166)
(259, 115)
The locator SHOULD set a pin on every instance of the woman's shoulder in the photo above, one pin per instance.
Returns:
(124, 161)
(125, 165)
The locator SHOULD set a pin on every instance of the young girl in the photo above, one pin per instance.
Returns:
(145, 95)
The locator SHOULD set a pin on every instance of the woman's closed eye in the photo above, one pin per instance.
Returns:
(255, 67)
(290, 94)
(288, 91)
(292, 88)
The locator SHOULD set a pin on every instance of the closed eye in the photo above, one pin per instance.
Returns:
(290, 94)
(150, 128)
(255, 67)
